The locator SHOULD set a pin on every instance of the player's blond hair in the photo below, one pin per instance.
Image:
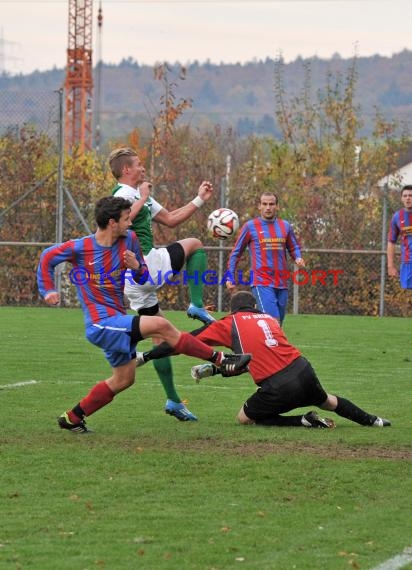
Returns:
(119, 158)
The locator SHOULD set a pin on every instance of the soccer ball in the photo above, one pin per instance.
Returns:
(223, 223)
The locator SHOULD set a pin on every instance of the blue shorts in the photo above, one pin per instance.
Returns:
(271, 300)
(113, 335)
(405, 275)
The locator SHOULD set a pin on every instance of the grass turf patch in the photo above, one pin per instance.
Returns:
(147, 491)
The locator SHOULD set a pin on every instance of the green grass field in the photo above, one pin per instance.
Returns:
(146, 491)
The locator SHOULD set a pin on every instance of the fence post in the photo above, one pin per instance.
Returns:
(59, 189)
(383, 245)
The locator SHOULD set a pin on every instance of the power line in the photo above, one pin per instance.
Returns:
(4, 56)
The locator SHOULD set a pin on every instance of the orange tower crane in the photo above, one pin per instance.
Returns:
(79, 78)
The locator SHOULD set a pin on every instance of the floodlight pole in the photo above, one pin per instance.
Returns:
(221, 242)
(224, 203)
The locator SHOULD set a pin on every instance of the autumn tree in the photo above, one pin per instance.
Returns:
(327, 172)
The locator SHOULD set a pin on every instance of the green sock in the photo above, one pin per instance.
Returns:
(163, 367)
(196, 265)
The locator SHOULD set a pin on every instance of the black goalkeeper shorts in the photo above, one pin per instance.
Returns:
(296, 386)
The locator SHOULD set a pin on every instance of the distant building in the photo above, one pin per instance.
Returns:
(397, 179)
(402, 176)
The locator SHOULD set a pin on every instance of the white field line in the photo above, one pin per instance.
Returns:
(17, 384)
(202, 384)
(188, 386)
(396, 562)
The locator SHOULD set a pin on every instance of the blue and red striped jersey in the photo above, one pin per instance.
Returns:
(267, 243)
(401, 225)
(98, 273)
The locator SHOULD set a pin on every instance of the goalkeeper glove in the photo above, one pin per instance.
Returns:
(203, 371)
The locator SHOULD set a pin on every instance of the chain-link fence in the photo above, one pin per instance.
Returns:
(351, 282)
(334, 281)
(32, 137)
(21, 111)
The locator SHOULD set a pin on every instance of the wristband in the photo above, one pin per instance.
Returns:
(198, 201)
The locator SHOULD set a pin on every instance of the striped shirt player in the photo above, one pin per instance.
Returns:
(99, 263)
(99, 274)
(267, 239)
(401, 228)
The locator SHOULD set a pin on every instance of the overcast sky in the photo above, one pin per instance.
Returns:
(34, 33)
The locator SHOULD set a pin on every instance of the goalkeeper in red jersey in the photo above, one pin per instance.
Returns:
(285, 380)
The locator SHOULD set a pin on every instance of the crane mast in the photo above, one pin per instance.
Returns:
(79, 78)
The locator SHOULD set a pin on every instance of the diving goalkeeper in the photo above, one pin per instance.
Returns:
(285, 380)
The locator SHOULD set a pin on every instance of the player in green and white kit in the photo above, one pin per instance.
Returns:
(130, 174)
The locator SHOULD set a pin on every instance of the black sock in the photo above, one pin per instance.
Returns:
(147, 356)
(346, 409)
(215, 356)
(281, 421)
(78, 411)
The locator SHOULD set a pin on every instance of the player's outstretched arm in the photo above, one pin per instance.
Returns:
(176, 217)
